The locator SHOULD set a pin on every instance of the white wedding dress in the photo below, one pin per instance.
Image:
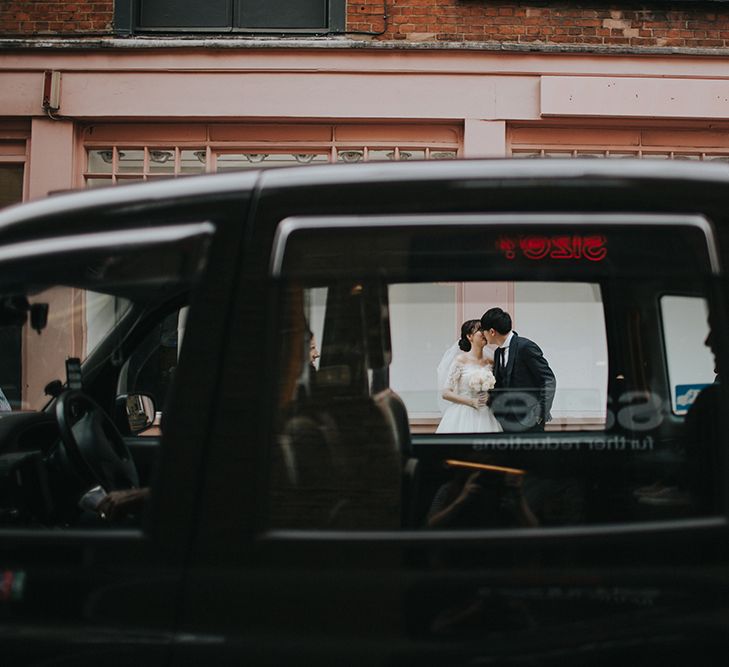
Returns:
(459, 418)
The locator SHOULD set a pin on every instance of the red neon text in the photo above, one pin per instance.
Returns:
(592, 248)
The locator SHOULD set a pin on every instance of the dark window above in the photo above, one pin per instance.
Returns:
(295, 16)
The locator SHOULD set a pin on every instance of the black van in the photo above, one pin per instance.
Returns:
(258, 418)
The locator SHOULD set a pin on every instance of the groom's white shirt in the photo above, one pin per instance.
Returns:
(505, 348)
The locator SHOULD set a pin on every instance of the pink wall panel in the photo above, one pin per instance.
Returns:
(51, 157)
(214, 95)
(484, 138)
(634, 97)
(20, 93)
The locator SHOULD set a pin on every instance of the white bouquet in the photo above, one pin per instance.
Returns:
(482, 380)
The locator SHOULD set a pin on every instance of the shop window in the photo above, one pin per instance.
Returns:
(617, 143)
(11, 184)
(122, 164)
(577, 353)
(118, 163)
(13, 156)
(607, 153)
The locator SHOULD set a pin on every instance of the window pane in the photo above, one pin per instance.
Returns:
(237, 161)
(350, 155)
(381, 155)
(185, 13)
(554, 422)
(100, 161)
(192, 161)
(283, 14)
(412, 154)
(131, 161)
(423, 307)
(11, 184)
(690, 362)
(443, 155)
(577, 355)
(153, 363)
(98, 182)
(161, 160)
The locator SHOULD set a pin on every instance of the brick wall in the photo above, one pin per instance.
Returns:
(26, 17)
(692, 25)
(590, 22)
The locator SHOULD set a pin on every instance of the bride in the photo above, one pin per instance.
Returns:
(464, 379)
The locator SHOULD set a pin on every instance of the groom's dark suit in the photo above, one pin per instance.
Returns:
(524, 391)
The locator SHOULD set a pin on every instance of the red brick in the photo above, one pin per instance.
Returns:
(709, 42)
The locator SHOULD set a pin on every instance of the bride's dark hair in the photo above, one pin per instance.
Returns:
(467, 328)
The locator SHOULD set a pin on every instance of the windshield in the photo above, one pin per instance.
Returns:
(77, 321)
(91, 300)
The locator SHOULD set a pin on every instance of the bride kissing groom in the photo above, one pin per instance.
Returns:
(513, 393)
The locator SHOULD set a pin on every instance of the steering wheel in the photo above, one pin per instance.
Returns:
(93, 445)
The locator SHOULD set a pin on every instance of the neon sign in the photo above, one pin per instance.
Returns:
(592, 248)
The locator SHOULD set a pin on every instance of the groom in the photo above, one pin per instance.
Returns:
(525, 384)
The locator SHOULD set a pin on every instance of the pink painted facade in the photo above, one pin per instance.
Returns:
(131, 112)
(327, 101)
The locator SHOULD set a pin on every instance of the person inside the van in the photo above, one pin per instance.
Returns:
(480, 498)
(695, 488)
(119, 505)
(702, 441)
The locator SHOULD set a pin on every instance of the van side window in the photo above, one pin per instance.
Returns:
(81, 321)
(491, 377)
(690, 363)
(151, 367)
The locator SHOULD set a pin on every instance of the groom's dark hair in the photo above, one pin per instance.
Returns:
(495, 318)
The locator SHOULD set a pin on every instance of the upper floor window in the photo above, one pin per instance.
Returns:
(308, 16)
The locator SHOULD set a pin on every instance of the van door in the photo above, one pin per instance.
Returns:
(81, 586)
(576, 529)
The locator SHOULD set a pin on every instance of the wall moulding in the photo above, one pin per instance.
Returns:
(634, 97)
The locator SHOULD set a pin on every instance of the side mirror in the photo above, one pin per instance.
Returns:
(136, 412)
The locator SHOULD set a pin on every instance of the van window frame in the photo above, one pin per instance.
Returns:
(550, 535)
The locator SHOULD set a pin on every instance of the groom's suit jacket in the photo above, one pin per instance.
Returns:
(524, 391)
